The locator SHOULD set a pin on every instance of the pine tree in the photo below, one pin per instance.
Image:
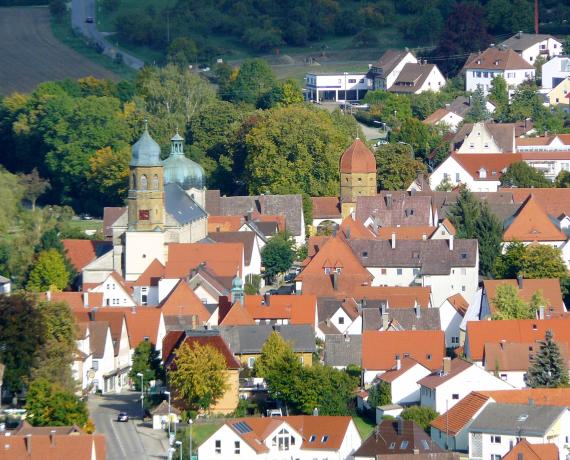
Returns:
(489, 232)
(547, 368)
(478, 111)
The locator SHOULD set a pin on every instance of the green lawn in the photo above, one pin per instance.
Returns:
(83, 225)
(200, 432)
(365, 426)
(64, 33)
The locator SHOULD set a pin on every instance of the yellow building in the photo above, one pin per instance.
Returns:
(357, 175)
(560, 95)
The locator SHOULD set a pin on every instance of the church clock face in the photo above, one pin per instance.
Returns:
(144, 214)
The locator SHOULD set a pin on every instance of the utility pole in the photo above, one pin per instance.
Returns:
(535, 16)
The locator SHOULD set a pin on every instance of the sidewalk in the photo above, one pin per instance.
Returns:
(155, 442)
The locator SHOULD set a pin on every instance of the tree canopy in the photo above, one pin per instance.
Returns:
(395, 167)
(278, 254)
(547, 369)
(521, 174)
(146, 361)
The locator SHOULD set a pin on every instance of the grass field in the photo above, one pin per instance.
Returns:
(83, 225)
(31, 54)
(364, 425)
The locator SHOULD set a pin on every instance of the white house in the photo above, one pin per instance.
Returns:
(82, 365)
(403, 381)
(553, 143)
(446, 266)
(297, 437)
(444, 388)
(444, 117)
(115, 292)
(478, 172)
(385, 72)
(451, 314)
(5, 285)
(555, 70)
(499, 427)
(416, 78)
(531, 46)
(481, 68)
(103, 361)
(336, 87)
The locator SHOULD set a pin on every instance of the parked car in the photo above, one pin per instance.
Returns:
(123, 417)
(89, 20)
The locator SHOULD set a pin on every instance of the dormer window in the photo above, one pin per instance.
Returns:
(364, 253)
(482, 173)
(327, 271)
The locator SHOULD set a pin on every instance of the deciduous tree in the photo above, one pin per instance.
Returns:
(278, 254)
(423, 416)
(380, 394)
(396, 169)
(508, 304)
(198, 375)
(108, 174)
(34, 186)
(49, 272)
(146, 361)
(521, 174)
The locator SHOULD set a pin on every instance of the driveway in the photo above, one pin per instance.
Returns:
(82, 9)
(125, 440)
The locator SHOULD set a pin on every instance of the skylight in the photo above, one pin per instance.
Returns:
(242, 427)
(425, 444)
(404, 445)
(312, 438)
(325, 438)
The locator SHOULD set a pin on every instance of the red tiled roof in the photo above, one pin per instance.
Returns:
(527, 451)
(531, 223)
(493, 163)
(182, 301)
(75, 300)
(436, 116)
(455, 419)
(555, 201)
(326, 207)
(357, 159)
(392, 374)
(237, 316)
(379, 348)
(523, 330)
(225, 259)
(542, 140)
(458, 302)
(434, 380)
(540, 396)
(141, 322)
(218, 343)
(496, 58)
(549, 287)
(351, 228)
(406, 233)
(41, 447)
(153, 273)
(298, 309)
(82, 252)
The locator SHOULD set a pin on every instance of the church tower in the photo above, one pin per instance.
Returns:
(357, 175)
(146, 186)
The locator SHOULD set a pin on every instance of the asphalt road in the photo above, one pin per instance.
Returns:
(122, 438)
(82, 9)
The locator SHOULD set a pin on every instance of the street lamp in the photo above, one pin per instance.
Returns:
(190, 422)
(141, 375)
(168, 393)
(179, 444)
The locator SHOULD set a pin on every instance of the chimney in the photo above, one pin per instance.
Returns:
(335, 281)
(520, 281)
(48, 296)
(316, 412)
(384, 307)
(52, 438)
(28, 444)
(86, 299)
(417, 309)
(446, 365)
(398, 363)
(194, 322)
(267, 298)
(424, 237)
(134, 309)
(451, 242)
(502, 344)
(541, 312)
(388, 201)
(385, 321)
(393, 241)
(400, 427)
(248, 216)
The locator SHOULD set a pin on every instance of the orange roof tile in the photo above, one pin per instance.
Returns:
(496, 58)
(41, 447)
(527, 451)
(406, 233)
(523, 330)
(141, 322)
(458, 302)
(524, 141)
(153, 273)
(436, 116)
(455, 419)
(182, 301)
(224, 223)
(540, 396)
(531, 223)
(82, 252)
(216, 342)
(493, 163)
(565, 138)
(392, 374)
(379, 348)
(357, 159)
(555, 201)
(298, 309)
(351, 228)
(75, 300)
(457, 366)
(237, 316)
(326, 207)
(225, 259)
(550, 288)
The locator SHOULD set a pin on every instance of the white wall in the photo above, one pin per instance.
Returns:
(315, 84)
(434, 82)
(458, 175)
(228, 439)
(405, 389)
(392, 76)
(114, 295)
(165, 287)
(480, 140)
(556, 68)
(450, 321)
(141, 248)
(549, 48)
(484, 78)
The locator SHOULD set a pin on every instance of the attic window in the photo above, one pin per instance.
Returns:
(406, 355)
(146, 338)
(404, 445)
(464, 255)
(327, 271)
(325, 438)
(364, 253)
(428, 356)
(392, 446)
(312, 438)
(534, 327)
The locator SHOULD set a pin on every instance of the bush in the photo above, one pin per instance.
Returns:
(423, 416)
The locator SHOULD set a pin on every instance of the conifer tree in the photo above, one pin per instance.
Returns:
(547, 369)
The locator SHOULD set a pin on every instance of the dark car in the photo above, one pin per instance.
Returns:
(123, 417)
(89, 20)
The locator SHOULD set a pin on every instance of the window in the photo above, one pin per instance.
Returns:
(327, 271)
(457, 177)
(144, 214)
(503, 376)
(485, 74)
(428, 356)
(383, 271)
(478, 74)
(236, 447)
(416, 271)
(495, 439)
(471, 145)
(325, 438)
(312, 438)
(144, 182)
(455, 396)
(352, 80)
(341, 320)
(338, 270)
(495, 457)
(155, 182)
(146, 338)
(364, 254)
(95, 365)
(392, 446)
(218, 445)
(399, 271)
(455, 340)
(462, 288)
(283, 440)
(250, 362)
